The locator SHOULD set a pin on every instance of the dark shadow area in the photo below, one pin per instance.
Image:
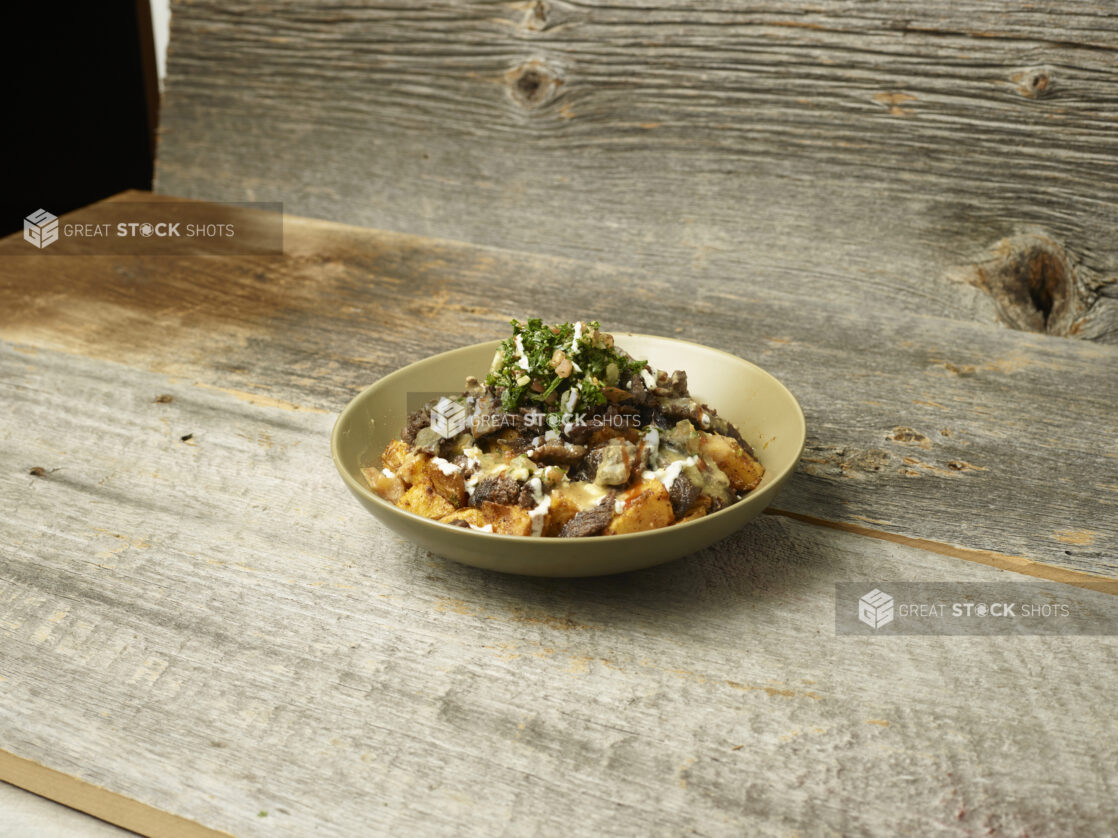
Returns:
(758, 565)
(83, 99)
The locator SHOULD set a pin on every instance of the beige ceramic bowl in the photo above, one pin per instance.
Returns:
(767, 415)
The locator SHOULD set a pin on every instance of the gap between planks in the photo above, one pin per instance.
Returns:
(1002, 561)
(101, 803)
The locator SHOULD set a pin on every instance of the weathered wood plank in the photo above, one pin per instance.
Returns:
(215, 628)
(957, 160)
(973, 436)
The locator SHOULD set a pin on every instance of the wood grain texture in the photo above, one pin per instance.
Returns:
(956, 160)
(214, 628)
(978, 437)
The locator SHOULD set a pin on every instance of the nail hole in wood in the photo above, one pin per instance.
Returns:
(1034, 83)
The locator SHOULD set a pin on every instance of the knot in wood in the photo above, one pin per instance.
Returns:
(535, 19)
(1033, 285)
(532, 84)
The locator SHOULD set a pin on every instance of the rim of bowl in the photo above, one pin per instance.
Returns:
(353, 483)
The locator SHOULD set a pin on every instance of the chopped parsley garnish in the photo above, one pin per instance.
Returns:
(544, 365)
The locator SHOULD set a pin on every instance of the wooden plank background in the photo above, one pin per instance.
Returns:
(998, 442)
(216, 629)
(957, 160)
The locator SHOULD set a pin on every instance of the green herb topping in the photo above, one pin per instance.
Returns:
(558, 367)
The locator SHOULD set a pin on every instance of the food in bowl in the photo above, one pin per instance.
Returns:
(568, 436)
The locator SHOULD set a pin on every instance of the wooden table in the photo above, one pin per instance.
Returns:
(200, 630)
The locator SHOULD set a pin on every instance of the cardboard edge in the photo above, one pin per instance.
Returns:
(98, 802)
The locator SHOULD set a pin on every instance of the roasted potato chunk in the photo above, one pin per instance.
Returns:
(562, 510)
(509, 520)
(422, 499)
(647, 507)
(450, 483)
(468, 514)
(390, 488)
(394, 454)
(742, 469)
(413, 469)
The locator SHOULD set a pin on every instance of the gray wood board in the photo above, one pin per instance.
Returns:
(918, 426)
(959, 160)
(217, 629)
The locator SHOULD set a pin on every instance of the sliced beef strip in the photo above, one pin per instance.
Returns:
(681, 407)
(579, 434)
(622, 416)
(450, 448)
(619, 416)
(684, 407)
(500, 489)
(416, 421)
(516, 444)
(533, 418)
(487, 413)
(673, 387)
(526, 498)
(678, 383)
(588, 467)
(558, 452)
(683, 494)
(653, 414)
(637, 388)
(589, 521)
(474, 388)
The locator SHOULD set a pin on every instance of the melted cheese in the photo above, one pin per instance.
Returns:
(485, 465)
(582, 494)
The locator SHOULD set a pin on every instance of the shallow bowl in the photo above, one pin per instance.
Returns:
(766, 413)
